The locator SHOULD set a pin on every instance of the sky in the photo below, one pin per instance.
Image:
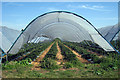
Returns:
(17, 15)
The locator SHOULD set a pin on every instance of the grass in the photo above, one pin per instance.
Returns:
(88, 71)
(49, 64)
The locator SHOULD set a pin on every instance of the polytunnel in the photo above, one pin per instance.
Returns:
(60, 24)
(7, 37)
(110, 32)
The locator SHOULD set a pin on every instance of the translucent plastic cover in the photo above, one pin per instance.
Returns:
(109, 32)
(7, 37)
(60, 24)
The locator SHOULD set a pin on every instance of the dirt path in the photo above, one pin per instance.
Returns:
(78, 56)
(59, 55)
(36, 62)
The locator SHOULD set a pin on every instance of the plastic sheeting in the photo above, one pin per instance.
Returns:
(119, 36)
(7, 38)
(60, 24)
(109, 32)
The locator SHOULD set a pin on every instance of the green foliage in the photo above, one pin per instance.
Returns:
(93, 57)
(24, 62)
(99, 72)
(29, 60)
(52, 52)
(7, 67)
(101, 67)
(74, 47)
(31, 50)
(68, 54)
(96, 59)
(57, 39)
(15, 64)
(76, 63)
(116, 44)
(106, 66)
(68, 65)
(92, 47)
(35, 52)
(109, 63)
(86, 56)
(49, 64)
(35, 74)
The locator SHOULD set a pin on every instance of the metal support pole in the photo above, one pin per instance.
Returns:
(7, 57)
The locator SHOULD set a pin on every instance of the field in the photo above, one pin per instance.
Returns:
(58, 59)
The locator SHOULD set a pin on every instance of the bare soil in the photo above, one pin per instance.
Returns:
(59, 55)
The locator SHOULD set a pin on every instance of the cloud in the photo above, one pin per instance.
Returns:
(93, 7)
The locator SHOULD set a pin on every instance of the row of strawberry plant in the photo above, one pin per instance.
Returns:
(52, 52)
(85, 54)
(109, 62)
(116, 44)
(34, 53)
(49, 60)
(92, 47)
(26, 48)
(68, 54)
(34, 49)
(74, 47)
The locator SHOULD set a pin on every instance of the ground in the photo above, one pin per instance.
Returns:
(85, 70)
